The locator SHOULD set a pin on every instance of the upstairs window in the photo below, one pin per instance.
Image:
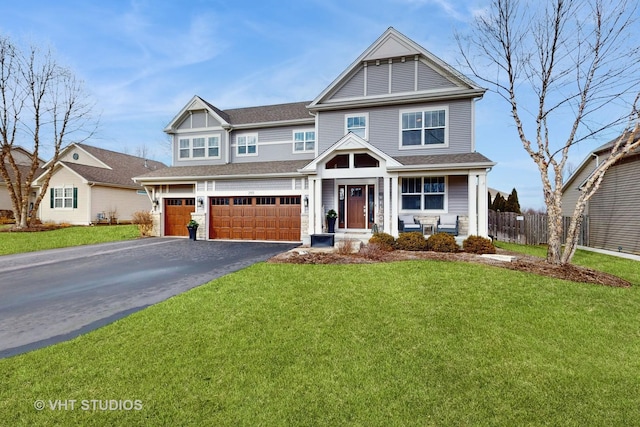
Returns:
(247, 145)
(357, 124)
(200, 147)
(424, 128)
(304, 141)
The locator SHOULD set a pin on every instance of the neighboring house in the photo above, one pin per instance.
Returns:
(614, 210)
(392, 135)
(494, 193)
(23, 159)
(90, 185)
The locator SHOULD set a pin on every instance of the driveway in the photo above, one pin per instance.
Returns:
(52, 296)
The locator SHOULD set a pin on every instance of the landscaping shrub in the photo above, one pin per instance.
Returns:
(478, 245)
(374, 251)
(412, 241)
(386, 241)
(346, 247)
(442, 242)
(144, 221)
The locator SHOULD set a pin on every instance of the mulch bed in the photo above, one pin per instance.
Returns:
(526, 263)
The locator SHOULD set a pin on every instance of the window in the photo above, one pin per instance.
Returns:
(200, 147)
(424, 128)
(64, 197)
(247, 144)
(423, 193)
(185, 148)
(214, 146)
(357, 124)
(304, 141)
(341, 161)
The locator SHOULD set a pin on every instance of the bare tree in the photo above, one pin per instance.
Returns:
(42, 106)
(558, 64)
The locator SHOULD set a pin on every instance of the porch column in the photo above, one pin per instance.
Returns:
(483, 207)
(395, 203)
(386, 205)
(317, 213)
(472, 185)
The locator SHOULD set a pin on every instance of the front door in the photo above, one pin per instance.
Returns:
(356, 206)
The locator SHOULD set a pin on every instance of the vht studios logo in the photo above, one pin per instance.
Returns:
(88, 405)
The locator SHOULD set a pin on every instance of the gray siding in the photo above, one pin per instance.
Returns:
(378, 79)
(198, 120)
(571, 194)
(328, 194)
(403, 76)
(273, 144)
(207, 161)
(614, 214)
(384, 129)
(352, 88)
(254, 184)
(429, 79)
(458, 195)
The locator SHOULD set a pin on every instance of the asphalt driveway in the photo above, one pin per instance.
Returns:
(52, 296)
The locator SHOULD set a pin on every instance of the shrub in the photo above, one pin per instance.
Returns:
(374, 251)
(144, 221)
(412, 241)
(478, 245)
(442, 242)
(346, 247)
(386, 241)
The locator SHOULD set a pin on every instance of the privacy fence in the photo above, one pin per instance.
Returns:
(529, 229)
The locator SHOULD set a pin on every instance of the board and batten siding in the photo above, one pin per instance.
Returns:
(384, 128)
(398, 76)
(614, 211)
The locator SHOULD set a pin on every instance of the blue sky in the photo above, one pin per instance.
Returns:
(142, 61)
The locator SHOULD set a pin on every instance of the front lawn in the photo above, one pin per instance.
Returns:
(29, 241)
(404, 343)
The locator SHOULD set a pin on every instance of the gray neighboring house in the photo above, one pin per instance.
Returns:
(91, 184)
(391, 136)
(614, 210)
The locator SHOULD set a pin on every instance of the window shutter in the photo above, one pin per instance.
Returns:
(75, 197)
(51, 196)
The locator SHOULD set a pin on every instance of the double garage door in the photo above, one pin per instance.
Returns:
(239, 218)
(255, 218)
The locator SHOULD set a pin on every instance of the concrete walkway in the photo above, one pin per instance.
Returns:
(612, 253)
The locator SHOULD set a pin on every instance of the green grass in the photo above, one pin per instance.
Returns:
(18, 242)
(407, 343)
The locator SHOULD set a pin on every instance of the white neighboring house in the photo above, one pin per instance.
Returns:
(91, 185)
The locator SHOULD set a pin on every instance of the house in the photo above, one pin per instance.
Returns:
(392, 135)
(91, 184)
(614, 209)
(24, 160)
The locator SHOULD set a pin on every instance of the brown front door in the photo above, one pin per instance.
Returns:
(356, 199)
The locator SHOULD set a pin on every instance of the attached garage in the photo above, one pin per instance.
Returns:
(177, 214)
(255, 218)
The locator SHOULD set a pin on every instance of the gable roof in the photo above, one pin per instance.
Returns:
(393, 44)
(243, 118)
(119, 168)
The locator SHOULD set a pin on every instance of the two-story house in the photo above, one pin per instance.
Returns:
(392, 135)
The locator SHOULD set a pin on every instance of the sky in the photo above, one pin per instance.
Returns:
(143, 60)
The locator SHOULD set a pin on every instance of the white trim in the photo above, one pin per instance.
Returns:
(445, 204)
(422, 109)
(190, 138)
(237, 146)
(304, 131)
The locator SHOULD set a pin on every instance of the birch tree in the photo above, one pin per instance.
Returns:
(42, 106)
(569, 72)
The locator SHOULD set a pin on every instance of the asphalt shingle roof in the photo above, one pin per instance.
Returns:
(123, 167)
(267, 113)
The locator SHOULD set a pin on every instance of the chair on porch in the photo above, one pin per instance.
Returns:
(448, 223)
(408, 223)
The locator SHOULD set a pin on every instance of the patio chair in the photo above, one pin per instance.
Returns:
(408, 223)
(448, 223)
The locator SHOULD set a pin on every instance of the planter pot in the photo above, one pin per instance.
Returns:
(192, 232)
(331, 224)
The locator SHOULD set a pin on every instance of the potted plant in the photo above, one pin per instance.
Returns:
(332, 215)
(192, 226)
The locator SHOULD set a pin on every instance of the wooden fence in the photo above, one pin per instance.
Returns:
(529, 229)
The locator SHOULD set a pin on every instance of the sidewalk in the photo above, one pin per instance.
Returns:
(612, 253)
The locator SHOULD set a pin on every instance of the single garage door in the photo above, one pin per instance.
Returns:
(255, 218)
(177, 214)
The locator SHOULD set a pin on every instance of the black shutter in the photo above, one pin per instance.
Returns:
(51, 197)
(75, 197)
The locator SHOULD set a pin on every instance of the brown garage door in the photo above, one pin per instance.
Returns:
(177, 213)
(255, 218)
